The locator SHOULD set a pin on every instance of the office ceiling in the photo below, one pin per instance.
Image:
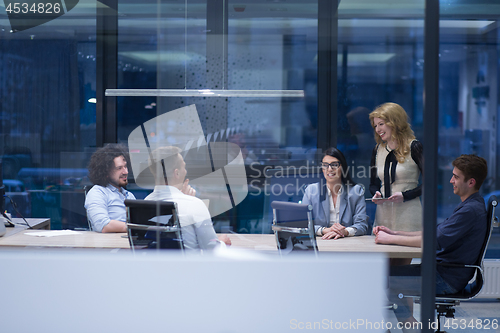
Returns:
(361, 23)
(356, 14)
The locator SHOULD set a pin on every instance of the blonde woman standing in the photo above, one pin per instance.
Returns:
(395, 169)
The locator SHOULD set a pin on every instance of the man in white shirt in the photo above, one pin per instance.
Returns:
(169, 170)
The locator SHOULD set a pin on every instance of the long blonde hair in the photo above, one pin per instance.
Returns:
(396, 118)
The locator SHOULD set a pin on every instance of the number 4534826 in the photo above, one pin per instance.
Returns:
(35, 8)
(481, 324)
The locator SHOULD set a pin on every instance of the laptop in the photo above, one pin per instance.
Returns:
(292, 215)
(287, 184)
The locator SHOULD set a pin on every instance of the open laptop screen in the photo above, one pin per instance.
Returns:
(287, 184)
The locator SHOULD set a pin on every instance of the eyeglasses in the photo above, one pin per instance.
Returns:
(333, 165)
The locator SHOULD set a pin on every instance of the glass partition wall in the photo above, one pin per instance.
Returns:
(265, 46)
(250, 69)
(253, 71)
(468, 94)
(48, 114)
(258, 47)
(380, 59)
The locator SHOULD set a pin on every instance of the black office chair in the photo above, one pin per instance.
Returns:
(445, 303)
(293, 226)
(153, 225)
(86, 189)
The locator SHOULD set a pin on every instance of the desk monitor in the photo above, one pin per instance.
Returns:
(287, 184)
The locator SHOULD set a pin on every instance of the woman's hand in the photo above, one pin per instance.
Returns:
(336, 231)
(380, 228)
(383, 238)
(378, 195)
(396, 197)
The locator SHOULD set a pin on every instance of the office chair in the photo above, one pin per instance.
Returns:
(293, 226)
(445, 303)
(153, 225)
(86, 189)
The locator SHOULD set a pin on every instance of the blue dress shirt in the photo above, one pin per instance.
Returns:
(459, 240)
(104, 204)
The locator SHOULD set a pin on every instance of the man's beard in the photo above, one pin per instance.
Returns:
(121, 183)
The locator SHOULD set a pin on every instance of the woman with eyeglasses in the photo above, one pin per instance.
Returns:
(339, 208)
(395, 168)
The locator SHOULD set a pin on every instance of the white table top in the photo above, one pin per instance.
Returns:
(259, 242)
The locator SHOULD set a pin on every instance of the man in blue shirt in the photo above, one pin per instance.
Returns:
(459, 238)
(105, 205)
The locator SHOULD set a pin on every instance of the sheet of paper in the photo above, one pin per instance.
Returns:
(53, 233)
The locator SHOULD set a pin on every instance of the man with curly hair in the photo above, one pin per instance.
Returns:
(105, 201)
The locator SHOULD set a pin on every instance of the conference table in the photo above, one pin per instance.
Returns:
(254, 242)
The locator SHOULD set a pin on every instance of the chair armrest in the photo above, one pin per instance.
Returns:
(459, 265)
(152, 227)
(479, 268)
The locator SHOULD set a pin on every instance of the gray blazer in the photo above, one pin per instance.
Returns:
(352, 211)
